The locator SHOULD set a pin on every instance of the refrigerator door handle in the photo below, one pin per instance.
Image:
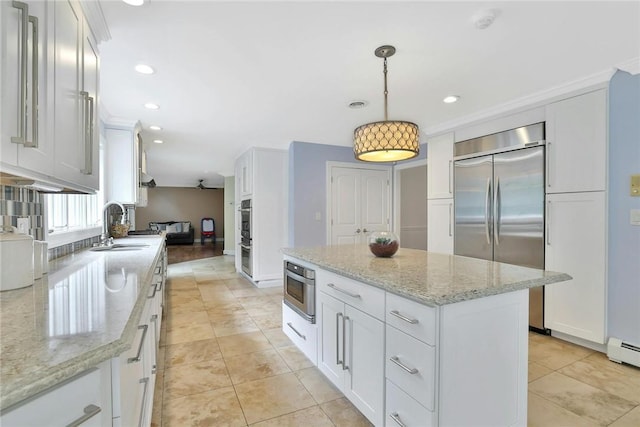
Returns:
(497, 207)
(487, 211)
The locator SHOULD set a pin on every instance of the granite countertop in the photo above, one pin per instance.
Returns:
(429, 278)
(85, 311)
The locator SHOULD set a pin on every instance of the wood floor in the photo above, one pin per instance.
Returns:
(183, 253)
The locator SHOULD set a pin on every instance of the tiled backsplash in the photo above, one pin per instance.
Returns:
(16, 202)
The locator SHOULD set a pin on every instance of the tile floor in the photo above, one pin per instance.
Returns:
(224, 361)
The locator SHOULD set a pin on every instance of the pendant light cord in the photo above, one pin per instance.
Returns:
(386, 92)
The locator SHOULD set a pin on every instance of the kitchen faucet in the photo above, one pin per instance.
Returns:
(105, 238)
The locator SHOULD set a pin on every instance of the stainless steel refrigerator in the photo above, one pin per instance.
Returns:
(499, 202)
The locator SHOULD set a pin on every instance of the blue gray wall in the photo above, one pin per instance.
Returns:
(624, 238)
(307, 189)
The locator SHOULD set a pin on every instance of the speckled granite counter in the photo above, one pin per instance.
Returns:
(85, 311)
(430, 278)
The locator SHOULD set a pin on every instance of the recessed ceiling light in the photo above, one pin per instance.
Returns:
(158, 141)
(151, 106)
(154, 127)
(134, 2)
(451, 99)
(144, 69)
(357, 104)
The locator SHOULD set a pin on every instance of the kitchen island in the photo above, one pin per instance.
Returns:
(81, 321)
(422, 338)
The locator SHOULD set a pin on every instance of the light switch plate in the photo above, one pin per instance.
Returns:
(635, 216)
(23, 225)
(635, 185)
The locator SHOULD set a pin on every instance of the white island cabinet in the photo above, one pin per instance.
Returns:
(424, 339)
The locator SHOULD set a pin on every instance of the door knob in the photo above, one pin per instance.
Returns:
(364, 230)
(358, 231)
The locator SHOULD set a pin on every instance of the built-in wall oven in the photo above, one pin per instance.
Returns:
(245, 236)
(300, 290)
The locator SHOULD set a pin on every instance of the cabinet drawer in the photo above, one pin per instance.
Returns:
(403, 410)
(74, 400)
(412, 318)
(416, 376)
(364, 297)
(302, 333)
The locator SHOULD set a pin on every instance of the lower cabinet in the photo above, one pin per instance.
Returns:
(350, 354)
(301, 332)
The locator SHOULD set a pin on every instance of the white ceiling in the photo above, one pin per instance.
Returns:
(231, 75)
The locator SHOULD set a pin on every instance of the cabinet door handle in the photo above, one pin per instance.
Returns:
(405, 318)
(34, 84)
(548, 159)
(89, 412)
(395, 417)
(139, 353)
(397, 361)
(345, 319)
(338, 361)
(155, 290)
(144, 381)
(88, 134)
(296, 331)
(352, 295)
(22, 114)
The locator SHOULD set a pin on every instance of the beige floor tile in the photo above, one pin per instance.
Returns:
(212, 408)
(238, 283)
(630, 419)
(190, 332)
(271, 397)
(234, 326)
(276, 290)
(179, 295)
(162, 351)
(156, 414)
(294, 358)
(254, 366)
(542, 413)
(318, 385)
(184, 380)
(309, 417)
(233, 345)
(554, 353)
(246, 292)
(192, 352)
(580, 398)
(343, 414)
(277, 338)
(268, 321)
(537, 371)
(175, 320)
(176, 284)
(597, 370)
(225, 310)
(217, 295)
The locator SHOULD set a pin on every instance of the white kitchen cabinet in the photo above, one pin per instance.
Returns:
(350, 353)
(267, 175)
(576, 138)
(440, 225)
(20, 145)
(301, 332)
(576, 245)
(83, 399)
(123, 164)
(440, 167)
(76, 68)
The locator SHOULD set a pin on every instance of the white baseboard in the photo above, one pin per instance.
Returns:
(272, 283)
(229, 252)
(602, 348)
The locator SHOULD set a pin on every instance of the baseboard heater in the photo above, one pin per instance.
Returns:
(619, 351)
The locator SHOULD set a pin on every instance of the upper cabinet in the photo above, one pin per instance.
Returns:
(576, 134)
(440, 167)
(25, 140)
(123, 163)
(75, 91)
(244, 175)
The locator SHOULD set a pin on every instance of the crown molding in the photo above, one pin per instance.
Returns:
(530, 101)
(632, 66)
(97, 22)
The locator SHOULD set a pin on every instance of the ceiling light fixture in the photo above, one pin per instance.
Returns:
(154, 127)
(357, 104)
(158, 141)
(386, 141)
(151, 106)
(144, 69)
(450, 99)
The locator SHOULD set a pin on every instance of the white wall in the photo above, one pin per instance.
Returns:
(229, 215)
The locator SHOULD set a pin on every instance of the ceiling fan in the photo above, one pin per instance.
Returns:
(201, 185)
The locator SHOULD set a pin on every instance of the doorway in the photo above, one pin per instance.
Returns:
(411, 204)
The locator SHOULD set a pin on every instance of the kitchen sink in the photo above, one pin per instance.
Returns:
(120, 247)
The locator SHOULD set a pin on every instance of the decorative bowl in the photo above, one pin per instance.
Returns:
(383, 244)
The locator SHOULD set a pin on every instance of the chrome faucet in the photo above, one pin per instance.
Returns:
(105, 238)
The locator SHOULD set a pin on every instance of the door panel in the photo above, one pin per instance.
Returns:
(331, 334)
(519, 207)
(473, 200)
(374, 208)
(345, 206)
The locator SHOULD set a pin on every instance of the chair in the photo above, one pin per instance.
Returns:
(207, 229)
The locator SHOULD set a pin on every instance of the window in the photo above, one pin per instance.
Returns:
(68, 212)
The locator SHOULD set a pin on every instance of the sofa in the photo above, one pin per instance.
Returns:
(178, 232)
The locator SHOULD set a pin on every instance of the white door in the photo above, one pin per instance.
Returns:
(440, 226)
(365, 359)
(330, 351)
(359, 201)
(575, 244)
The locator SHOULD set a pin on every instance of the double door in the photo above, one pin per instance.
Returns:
(359, 204)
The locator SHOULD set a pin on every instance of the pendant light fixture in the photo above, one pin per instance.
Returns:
(388, 140)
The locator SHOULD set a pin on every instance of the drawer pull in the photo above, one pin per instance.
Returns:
(144, 334)
(338, 361)
(395, 417)
(405, 318)
(89, 412)
(397, 361)
(296, 331)
(352, 295)
(155, 289)
(144, 381)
